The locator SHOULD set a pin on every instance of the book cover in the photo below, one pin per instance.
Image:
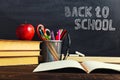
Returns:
(19, 53)
(19, 61)
(95, 58)
(19, 45)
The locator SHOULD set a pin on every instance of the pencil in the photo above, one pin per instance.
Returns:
(52, 50)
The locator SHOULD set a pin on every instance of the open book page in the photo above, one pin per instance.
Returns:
(57, 65)
(92, 65)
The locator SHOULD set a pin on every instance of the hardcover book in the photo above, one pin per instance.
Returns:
(19, 53)
(19, 45)
(19, 61)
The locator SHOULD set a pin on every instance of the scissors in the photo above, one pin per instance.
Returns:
(43, 33)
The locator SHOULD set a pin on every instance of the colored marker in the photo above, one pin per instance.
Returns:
(52, 35)
(63, 34)
(58, 35)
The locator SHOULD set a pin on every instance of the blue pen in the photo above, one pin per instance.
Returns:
(42, 35)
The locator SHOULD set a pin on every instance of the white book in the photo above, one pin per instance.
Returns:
(86, 66)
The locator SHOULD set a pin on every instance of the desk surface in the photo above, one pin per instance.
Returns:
(25, 73)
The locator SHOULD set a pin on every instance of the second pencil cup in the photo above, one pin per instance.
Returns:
(51, 50)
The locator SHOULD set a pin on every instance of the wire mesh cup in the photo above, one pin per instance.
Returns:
(51, 50)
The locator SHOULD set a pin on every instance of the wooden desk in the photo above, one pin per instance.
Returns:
(25, 73)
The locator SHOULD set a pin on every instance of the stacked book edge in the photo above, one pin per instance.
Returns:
(19, 52)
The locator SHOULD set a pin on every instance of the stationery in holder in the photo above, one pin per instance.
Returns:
(51, 50)
(52, 44)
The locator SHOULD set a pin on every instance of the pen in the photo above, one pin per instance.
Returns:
(52, 35)
(42, 35)
(61, 30)
(63, 34)
(58, 36)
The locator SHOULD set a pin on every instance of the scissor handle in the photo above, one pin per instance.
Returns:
(47, 34)
(40, 32)
(40, 26)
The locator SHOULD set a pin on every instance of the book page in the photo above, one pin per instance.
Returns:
(57, 65)
(92, 65)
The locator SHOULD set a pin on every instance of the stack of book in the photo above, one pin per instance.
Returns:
(19, 52)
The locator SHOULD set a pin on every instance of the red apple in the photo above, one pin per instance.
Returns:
(25, 32)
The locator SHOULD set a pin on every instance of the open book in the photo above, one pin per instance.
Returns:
(87, 66)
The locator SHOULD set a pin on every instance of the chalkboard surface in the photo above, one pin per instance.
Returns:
(94, 25)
